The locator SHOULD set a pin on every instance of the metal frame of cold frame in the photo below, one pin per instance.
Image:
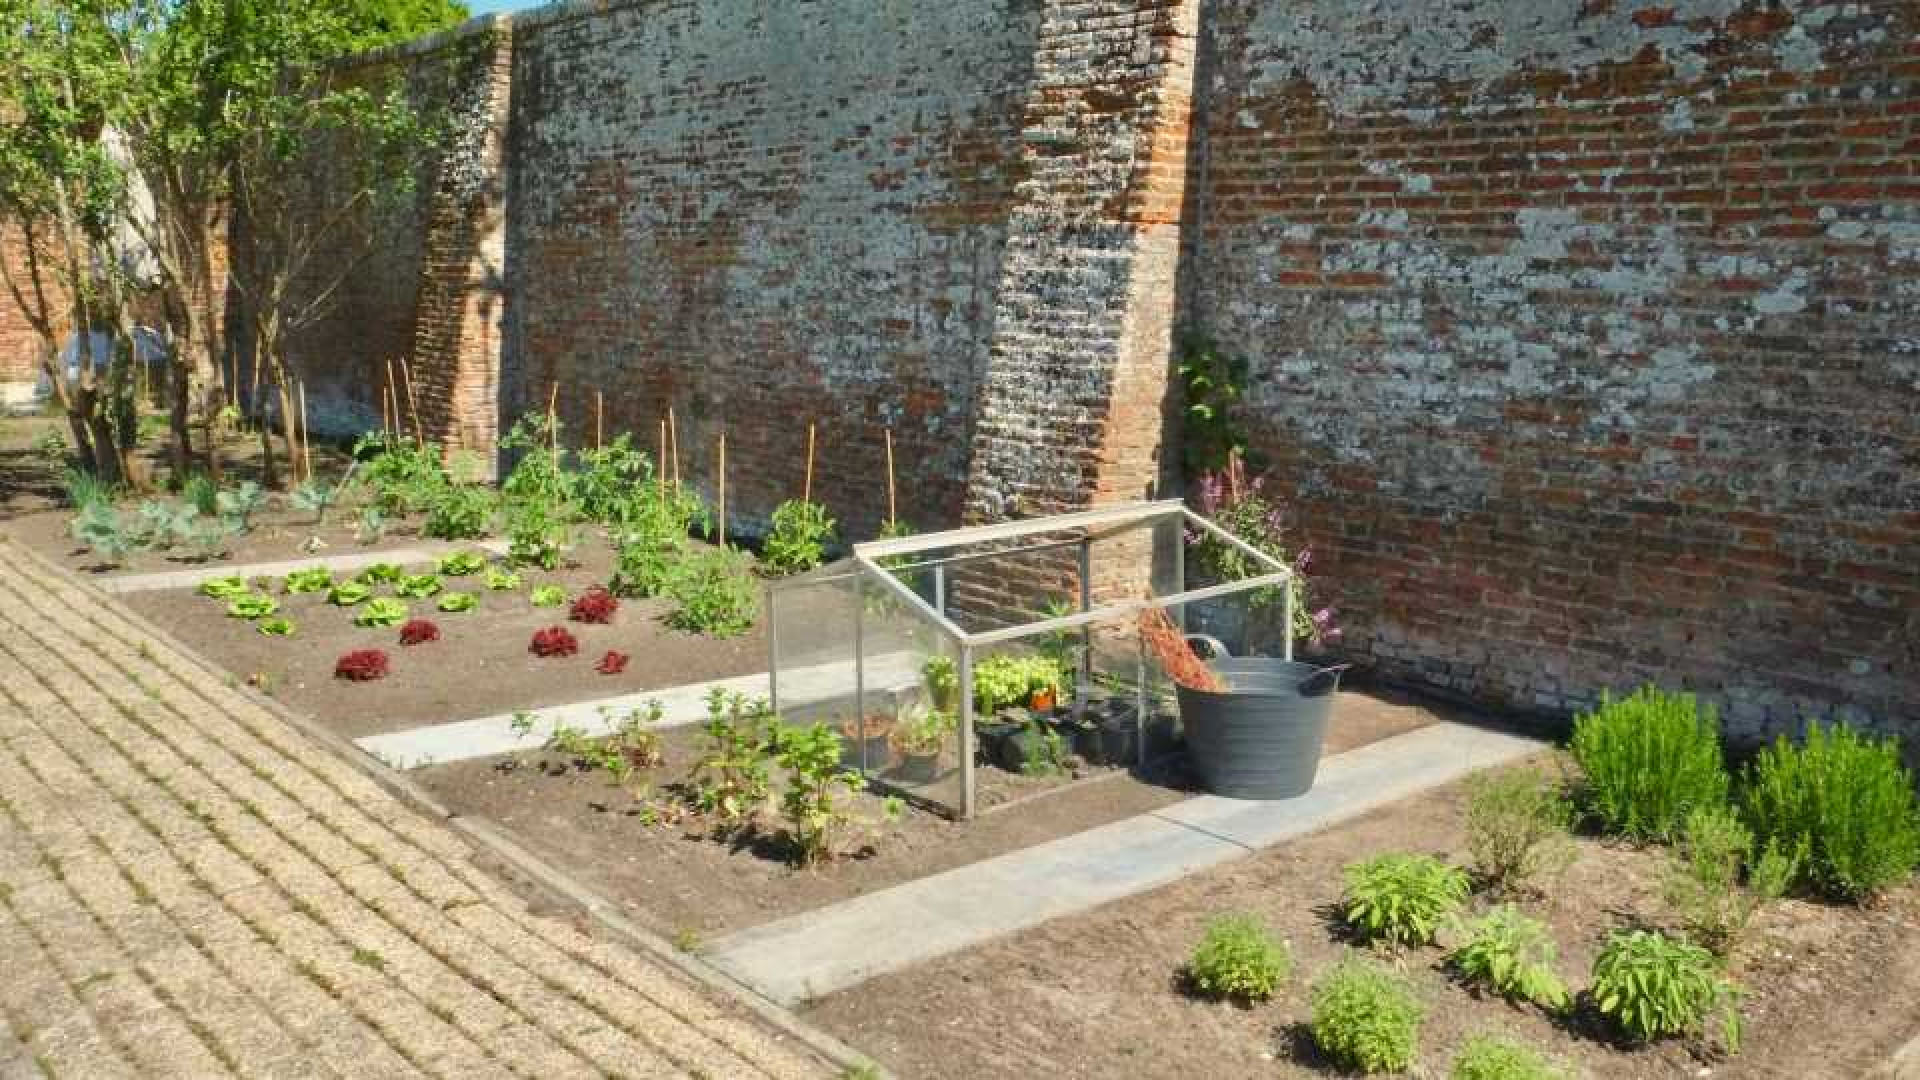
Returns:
(1093, 525)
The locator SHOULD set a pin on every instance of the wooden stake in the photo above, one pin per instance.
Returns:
(661, 461)
(673, 445)
(553, 425)
(806, 486)
(599, 417)
(306, 447)
(393, 388)
(723, 488)
(893, 508)
(413, 404)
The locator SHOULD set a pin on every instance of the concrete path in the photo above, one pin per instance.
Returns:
(191, 887)
(193, 576)
(464, 740)
(817, 952)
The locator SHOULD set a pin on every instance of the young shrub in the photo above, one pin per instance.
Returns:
(553, 641)
(240, 504)
(1402, 899)
(645, 566)
(200, 492)
(276, 627)
(1365, 1017)
(381, 611)
(548, 596)
(1650, 759)
(1517, 828)
(1844, 798)
(455, 602)
(716, 596)
(1486, 1057)
(613, 663)
(311, 579)
(1703, 884)
(1513, 955)
(1653, 986)
(462, 564)
(84, 489)
(537, 533)
(816, 801)
(799, 538)
(732, 776)
(1239, 960)
(361, 665)
(418, 632)
(315, 498)
(458, 512)
(596, 605)
(348, 593)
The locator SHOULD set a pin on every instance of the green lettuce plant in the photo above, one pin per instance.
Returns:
(310, 579)
(252, 605)
(548, 596)
(225, 588)
(381, 611)
(348, 593)
(462, 564)
(417, 586)
(502, 580)
(276, 627)
(458, 601)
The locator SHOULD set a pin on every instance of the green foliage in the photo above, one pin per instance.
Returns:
(1211, 383)
(540, 474)
(651, 540)
(1239, 959)
(315, 497)
(1704, 883)
(380, 573)
(923, 730)
(537, 534)
(1844, 799)
(815, 802)
(276, 627)
(631, 744)
(1513, 955)
(1650, 759)
(462, 564)
(252, 606)
(417, 586)
(84, 489)
(369, 24)
(548, 596)
(310, 579)
(645, 566)
(613, 483)
(224, 588)
(1005, 679)
(1490, 1058)
(1240, 505)
(381, 611)
(200, 492)
(505, 580)
(239, 504)
(732, 778)
(403, 474)
(371, 526)
(1402, 899)
(455, 602)
(105, 533)
(942, 677)
(348, 593)
(799, 539)
(458, 512)
(1653, 986)
(1365, 1017)
(1517, 827)
(716, 595)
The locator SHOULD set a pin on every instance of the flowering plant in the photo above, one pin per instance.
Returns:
(1238, 504)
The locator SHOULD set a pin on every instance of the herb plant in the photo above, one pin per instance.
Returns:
(458, 512)
(1653, 986)
(942, 677)
(716, 596)
(799, 538)
(455, 602)
(732, 778)
(1238, 959)
(537, 534)
(1513, 955)
(381, 611)
(1402, 899)
(1486, 1057)
(1365, 1017)
(1704, 883)
(311, 579)
(1517, 828)
(1844, 799)
(1650, 759)
(815, 803)
(1240, 505)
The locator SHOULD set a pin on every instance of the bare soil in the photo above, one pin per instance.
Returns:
(679, 880)
(1830, 990)
(479, 667)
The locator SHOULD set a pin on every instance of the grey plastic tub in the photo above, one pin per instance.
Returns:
(1261, 739)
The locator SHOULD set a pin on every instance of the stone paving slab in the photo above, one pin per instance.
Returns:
(191, 577)
(814, 953)
(192, 886)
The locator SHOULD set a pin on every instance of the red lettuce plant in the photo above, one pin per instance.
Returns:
(419, 631)
(554, 641)
(596, 605)
(613, 663)
(361, 665)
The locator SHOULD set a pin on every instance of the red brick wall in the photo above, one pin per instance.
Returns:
(1583, 336)
(20, 344)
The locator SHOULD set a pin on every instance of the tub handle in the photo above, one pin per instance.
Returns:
(1214, 649)
(1324, 681)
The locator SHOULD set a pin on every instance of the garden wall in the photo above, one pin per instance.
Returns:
(1584, 336)
(20, 345)
(1581, 337)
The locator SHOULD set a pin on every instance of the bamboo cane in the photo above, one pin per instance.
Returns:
(306, 434)
(599, 418)
(413, 404)
(393, 389)
(553, 425)
(673, 444)
(661, 462)
(806, 485)
(723, 489)
(893, 508)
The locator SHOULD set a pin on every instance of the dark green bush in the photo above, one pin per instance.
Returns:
(1650, 759)
(1845, 800)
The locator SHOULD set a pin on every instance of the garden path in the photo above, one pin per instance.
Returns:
(193, 885)
(812, 954)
